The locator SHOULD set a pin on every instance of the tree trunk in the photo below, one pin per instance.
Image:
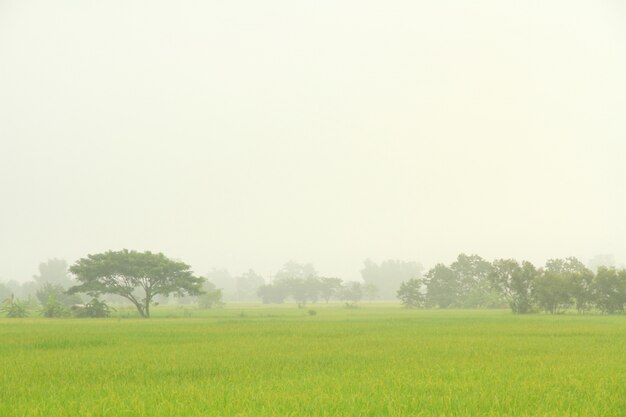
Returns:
(141, 311)
(146, 307)
(139, 307)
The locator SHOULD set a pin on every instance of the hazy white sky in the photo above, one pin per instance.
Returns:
(242, 134)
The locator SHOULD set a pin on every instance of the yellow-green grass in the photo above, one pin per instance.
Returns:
(257, 361)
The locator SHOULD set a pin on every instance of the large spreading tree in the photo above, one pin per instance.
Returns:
(136, 276)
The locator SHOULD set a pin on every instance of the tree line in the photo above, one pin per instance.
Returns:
(144, 279)
(473, 282)
(302, 284)
(378, 281)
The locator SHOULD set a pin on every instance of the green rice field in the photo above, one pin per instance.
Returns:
(258, 361)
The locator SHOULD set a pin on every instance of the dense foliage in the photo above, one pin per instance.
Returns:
(560, 285)
(146, 279)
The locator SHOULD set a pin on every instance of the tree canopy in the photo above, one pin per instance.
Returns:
(444, 286)
(515, 282)
(136, 276)
(410, 293)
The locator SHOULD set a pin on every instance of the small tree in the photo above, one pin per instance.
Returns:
(410, 294)
(136, 276)
(52, 308)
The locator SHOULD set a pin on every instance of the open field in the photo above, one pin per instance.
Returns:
(278, 361)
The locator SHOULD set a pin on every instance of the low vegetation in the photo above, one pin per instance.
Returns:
(281, 361)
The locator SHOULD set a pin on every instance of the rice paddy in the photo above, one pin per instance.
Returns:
(280, 361)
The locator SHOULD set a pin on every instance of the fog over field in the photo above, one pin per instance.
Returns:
(243, 134)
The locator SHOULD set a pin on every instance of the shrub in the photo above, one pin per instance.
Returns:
(14, 308)
(93, 309)
(52, 308)
(210, 299)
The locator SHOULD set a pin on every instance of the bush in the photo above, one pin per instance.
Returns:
(48, 290)
(93, 309)
(210, 299)
(14, 308)
(52, 308)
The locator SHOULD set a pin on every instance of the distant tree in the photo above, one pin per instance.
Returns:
(223, 280)
(311, 290)
(300, 281)
(54, 272)
(301, 290)
(581, 287)
(211, 298)
(58, 294)
(515, 283)
(579, 280)
(24, 290)
(329, 287)
(274, 293)
(370, 291)
(411, 295)
(474, 287)
(136, 276)
(389, 275)
(247, 285)
(552, 291)
(352, 293)
(443, 286)
(609, 287)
